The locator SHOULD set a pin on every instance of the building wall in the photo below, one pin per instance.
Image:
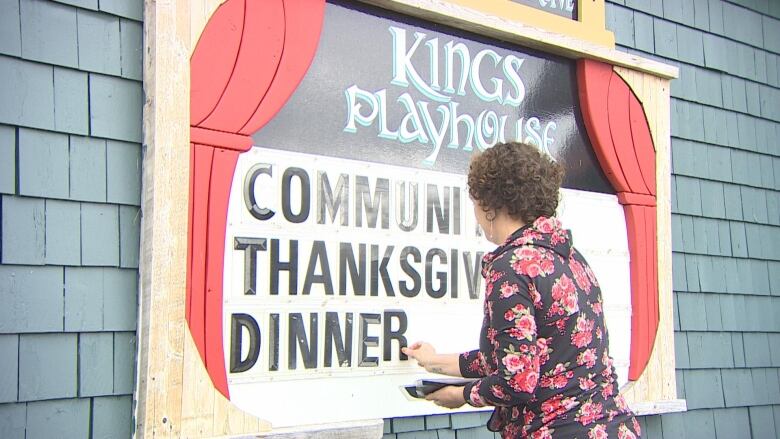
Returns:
(70, 130)
(725, 216)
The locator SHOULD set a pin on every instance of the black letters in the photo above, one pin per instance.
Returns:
(318, 253)
(261, 213)
(343, 344)
(250, 247)
(366, 342)
(290, 266)
(297, 338)
(390, 335)
(237, 323)
(303, 213)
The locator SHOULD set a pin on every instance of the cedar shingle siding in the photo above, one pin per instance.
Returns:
(70, 173)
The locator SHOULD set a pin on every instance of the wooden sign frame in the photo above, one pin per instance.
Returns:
(175, 396)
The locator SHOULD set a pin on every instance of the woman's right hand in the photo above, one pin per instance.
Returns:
(424, 353)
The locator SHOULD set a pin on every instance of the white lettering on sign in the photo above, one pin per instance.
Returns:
(437, 121)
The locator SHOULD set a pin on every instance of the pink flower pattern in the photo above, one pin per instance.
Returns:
(544, 337)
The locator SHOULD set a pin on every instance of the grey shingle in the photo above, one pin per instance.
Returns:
(124, 8)
(87, 4)
(708, 88)
(747, 131)
(730, 306)
(644, 38)
(129, 236)
(115, 108)
(712, 200)
(31, 298)
(712, 305)
(43, 164)
(756, 350)
(690, 47)
(759, 273)
(71, 110)
(84, 298)
(123, 161)
(620, 21)
(99, 42)
(124, 362)
(681, 350)
(673, 11)
(760, 57)
(744, 274)
(96, 364)
(475, 433)
(731, 422)
(716, 16)
(69, 418)
(665, 34)
(774, 277)
(27, 93)
(113, 417)
(413, 423)
(738, 346)
(652, 7)
(688, 195)
(466, 420)
(49, 32)
(120, 294)
(37, 378)
(417, 435)
(699, 424)
(761, 385)
(755, 241)
(708, 350)
(701, 14)
(678, 272)
(388, 426)
(677, 234)
(692, 273)
(9, 369)
(131, 35)
(762, 423)
(771, 33)
(10, 35)
(23, 230)
(12, 420)
(719, 162)
(673, 425)
(7, 159)
(724, 235)
(435, 422)
(737, 387)
(753, 96)
(87, 169)
(684, 160)
(754, 205)
(714, 57)
(733, 200)
(99, 235)
(769, 102)
(771, 69)
(63, 232)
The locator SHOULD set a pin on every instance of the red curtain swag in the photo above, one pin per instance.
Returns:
(248, 61)
(619, 132)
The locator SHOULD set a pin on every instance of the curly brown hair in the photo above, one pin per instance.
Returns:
(516, 177)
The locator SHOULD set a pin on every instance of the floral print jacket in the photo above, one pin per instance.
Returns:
(543, 359)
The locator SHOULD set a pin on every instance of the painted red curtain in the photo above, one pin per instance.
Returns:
(619, 131)
(248, 61)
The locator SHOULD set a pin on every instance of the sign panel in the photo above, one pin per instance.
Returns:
(350, 232)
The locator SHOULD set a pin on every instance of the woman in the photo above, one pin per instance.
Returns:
(543, 360)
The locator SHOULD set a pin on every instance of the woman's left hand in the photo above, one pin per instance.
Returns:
(450, 397)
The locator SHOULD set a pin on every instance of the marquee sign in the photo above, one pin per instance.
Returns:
(329, 218)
